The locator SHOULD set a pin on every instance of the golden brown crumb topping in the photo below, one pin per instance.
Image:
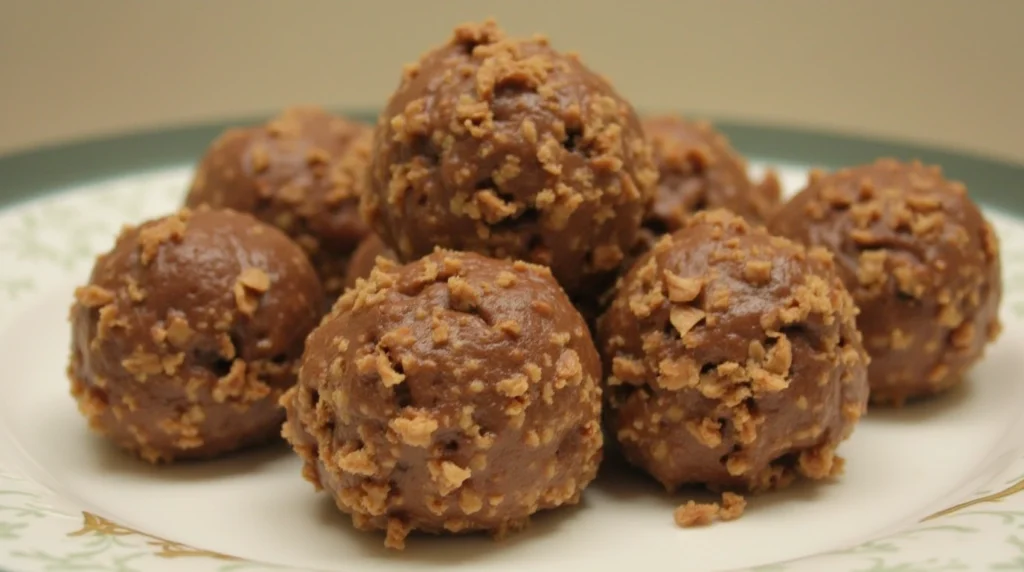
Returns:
(510, 148)
(699, 170)
(713, 340)
(472, 406)
(921, 262)
(180, 347)
(701, 514)
(303, 172)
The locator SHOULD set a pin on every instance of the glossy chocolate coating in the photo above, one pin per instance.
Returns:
(188, 332)
(303, 172)
(511, 149)
(454, 393)
(921, 262)
(732, 359)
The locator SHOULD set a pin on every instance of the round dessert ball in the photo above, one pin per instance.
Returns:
(455, 393)
(189, 331)
(733, 359)
(302, 172)
(364, 259)
(921, 262)
(511, 149)
(699, 170)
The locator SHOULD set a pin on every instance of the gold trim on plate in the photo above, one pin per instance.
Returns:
(95, 524)
(993, 497)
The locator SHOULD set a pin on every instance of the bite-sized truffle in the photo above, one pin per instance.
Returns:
(455, 393)
(699, 170)
(511, 149)
(189, 331)
(364, 259)
(921, 262)
(732, 359)
(302, 172)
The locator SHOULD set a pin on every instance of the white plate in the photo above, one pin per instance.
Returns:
(68, 501)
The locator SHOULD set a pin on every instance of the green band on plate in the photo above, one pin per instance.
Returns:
(30, 174)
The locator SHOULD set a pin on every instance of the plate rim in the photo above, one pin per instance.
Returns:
(27, 174)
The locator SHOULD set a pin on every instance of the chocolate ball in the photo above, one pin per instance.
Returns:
(511, 149)
(921, 262)
(188, 332)
(455, 393)
(699, 170)
(364, 259)
(303, 172)
(733, 359)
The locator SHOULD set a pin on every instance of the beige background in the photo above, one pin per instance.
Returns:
(943, 71)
